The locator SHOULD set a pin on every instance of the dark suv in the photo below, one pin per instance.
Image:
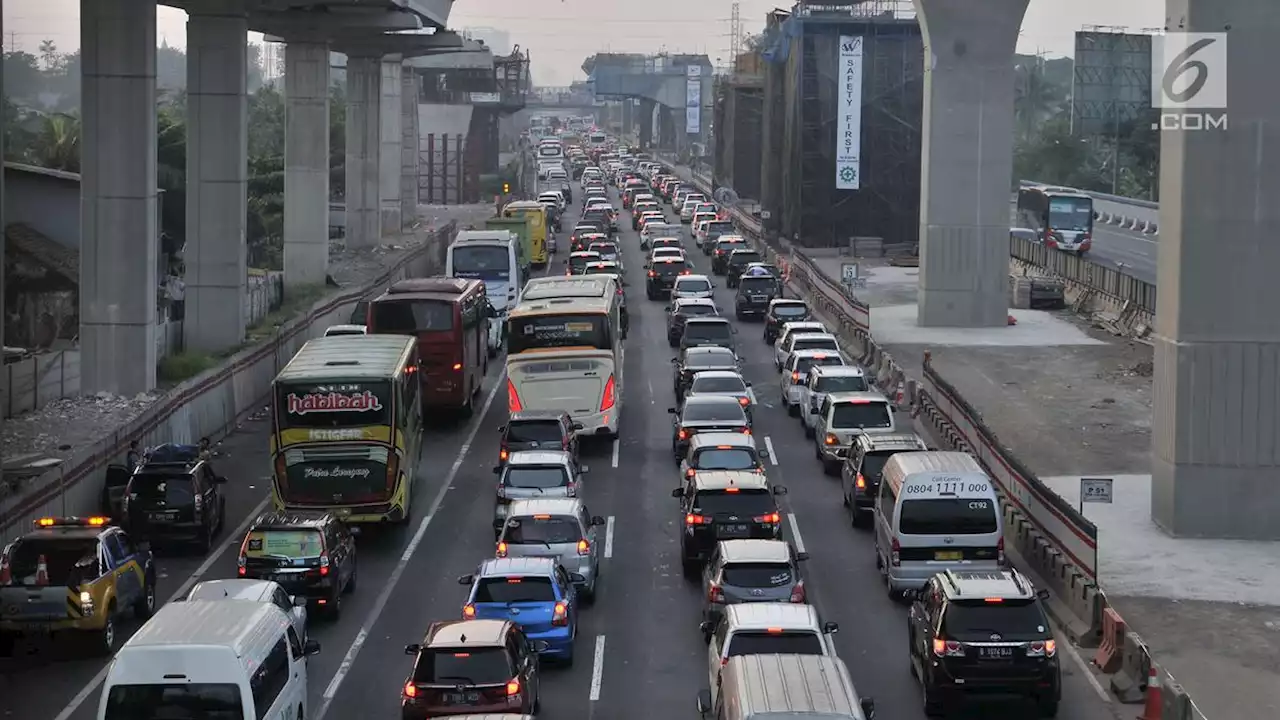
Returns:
(175, 498)
(860, 473)
(724, 505)
(310, 554)
(780, 312)
(721, 250)
(538, 430)
(662, 275)
(754, 294)
(738, 261)
(983, 633)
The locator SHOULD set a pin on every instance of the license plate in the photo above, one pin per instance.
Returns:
(996, 653)
(732, 530)
(948, 555)
(163, 517)
(462, 698)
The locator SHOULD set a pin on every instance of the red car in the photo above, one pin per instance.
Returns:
(472, 667)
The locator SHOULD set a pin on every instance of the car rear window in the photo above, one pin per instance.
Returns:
(719, 385)
(729, 411)
(169, 489)
(842, 383)
(803, 364)
(514, 590)
(542, 529)
(535, 477)
(667, 268)
(788, 310)
(538, 431)
(757, 284)
(1014, 621)
(742, 258)
(856, 416)
(470, 666)
(947, 516)
(757, 575)
(725, 459)
(815, 344)
(694, 285)
(64, 557)
(710, 331)
(294, 544)
(744, 502)
(764, 643)
(697, 310)
(207, 701)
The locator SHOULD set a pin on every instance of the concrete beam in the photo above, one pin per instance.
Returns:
(390, 144)
(320, 27)
(408, 146)
(967, 160)
(306, 164)
(434, 13)
(364, 104)
(406, 45)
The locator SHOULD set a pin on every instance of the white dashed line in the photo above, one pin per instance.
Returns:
(608, 537)
(616, 444)
(796, 538)
(353, 652)
(597, 669)
(768, 445)
(1084, 669)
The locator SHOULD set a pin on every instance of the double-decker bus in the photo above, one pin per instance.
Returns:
(450, 319)
(564, 351)
(1061, 217)
(537, 215)
(346, 427)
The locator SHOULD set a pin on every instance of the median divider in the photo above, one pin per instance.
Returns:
(211, 404)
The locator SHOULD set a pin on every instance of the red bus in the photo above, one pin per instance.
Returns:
(450, 318)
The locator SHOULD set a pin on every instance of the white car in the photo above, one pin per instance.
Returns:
(690, 205)
(263, 591)
(826, 342)
(823, 380)
(692, 286)
(666, 252)
(795, 369)
(781, 348)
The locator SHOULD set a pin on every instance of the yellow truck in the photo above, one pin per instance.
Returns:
(538, 229)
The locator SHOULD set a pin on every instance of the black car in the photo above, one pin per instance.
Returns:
(724, 505)
(715, 229)
(705, 413)
(696, 359)
(662, 275)
(602, 218)
(708, 331)
(983, 633)
(754, 294)
(738, 260)
(175, 497)
(684, 308)
(781, 312)
(864, 466)
(538, 430)
(720, 254)
(310, 554)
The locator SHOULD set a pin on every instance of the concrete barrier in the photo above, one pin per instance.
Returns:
(1130, 682)
(208, 405)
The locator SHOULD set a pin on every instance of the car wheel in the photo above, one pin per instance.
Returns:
(1049, 708)
(335, 605)
(104, 640)
(206, 540)
(929, 699)
(146, 605)
(351, 581)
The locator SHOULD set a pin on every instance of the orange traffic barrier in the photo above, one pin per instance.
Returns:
(1151, 709)
(42, 571)
(1108, 658)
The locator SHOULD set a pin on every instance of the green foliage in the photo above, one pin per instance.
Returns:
(183, 366)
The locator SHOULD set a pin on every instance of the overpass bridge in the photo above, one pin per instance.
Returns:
(674, 94)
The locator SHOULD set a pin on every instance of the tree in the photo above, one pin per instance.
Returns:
(57, 144)
(22, 76)
(49, 55)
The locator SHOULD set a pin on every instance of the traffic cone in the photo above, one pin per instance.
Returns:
(1151, 709)
(42, 571)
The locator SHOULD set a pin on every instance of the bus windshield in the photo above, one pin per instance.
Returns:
(1070, 213)
(409, 317)
(336, 405)
(557, 331)
(482, 262)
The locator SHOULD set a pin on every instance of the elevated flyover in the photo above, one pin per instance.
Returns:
(674, 93)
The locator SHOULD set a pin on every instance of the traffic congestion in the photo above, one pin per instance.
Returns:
(525, 489)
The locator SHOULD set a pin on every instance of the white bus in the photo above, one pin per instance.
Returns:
(495, 257)
(564, 352)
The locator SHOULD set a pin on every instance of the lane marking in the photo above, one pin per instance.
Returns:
(80, 697)
(616, 443)
(768, 445)
(608, 538)
(597, 669)
(796, 537)
(348, 660)
(1085, 670)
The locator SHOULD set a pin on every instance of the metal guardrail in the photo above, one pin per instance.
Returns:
(1138, 215)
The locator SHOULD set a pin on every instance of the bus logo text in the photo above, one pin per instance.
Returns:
(333, 402)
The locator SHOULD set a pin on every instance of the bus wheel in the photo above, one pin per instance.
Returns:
(470, 408)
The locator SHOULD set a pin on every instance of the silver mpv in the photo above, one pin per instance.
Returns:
(751, 571)
(559, 528)
(534, 474)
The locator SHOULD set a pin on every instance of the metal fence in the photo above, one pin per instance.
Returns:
(38, 380)
(1113, 282)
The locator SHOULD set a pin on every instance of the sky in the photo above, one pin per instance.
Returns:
(560, 35)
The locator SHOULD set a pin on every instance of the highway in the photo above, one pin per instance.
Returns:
(639, 652)
(1134, 252)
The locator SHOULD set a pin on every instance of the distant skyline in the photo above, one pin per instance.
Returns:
(560, 35)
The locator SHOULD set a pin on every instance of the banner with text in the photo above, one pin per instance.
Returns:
(849, 121)
(693, 100)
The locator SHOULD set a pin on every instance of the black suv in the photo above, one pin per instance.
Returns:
(724, 505)
(175, 496)
(720, 253)
(781, 312)
(310, 554)
(983, 633)
(754, 294)
(738, 261)
(662, 275)
(709, 331)
(538, 430)
(681, 310)
(863, 466)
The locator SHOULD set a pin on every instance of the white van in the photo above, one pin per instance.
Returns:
(229, 658)
(495, 257)
(936, 511)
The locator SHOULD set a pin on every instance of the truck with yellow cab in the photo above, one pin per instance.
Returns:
(74, 577)
(538, 227)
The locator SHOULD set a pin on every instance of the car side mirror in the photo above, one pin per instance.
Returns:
(220, 479)
(830, 628)
(466, 579)
(310, 647)
(584, 470)
(576, 426)
(541, 645)
(707, 627)
(748, 384)
(667, 309)
(779, 489)
(675, 361)
(577, 577)
(1042, 594)
(677, 493)
(868, 708)
(597, 521)
(802, 556)
(672, 411)
(412, 649)
(813, 410)
(497, 469)
(704, 702)
(298, 601)
(764, 453)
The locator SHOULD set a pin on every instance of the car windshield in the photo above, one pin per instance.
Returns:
(947, 516)
(466, 666)
(696, 332)
(69, 560)
(819, 343)
(864, 415)
(719, 384)
(743, 257)
(539, 431)
(728, 411)
(693, 285)
(757, 284)
(744, 503)
(1014, 621)
(535, 477)
(789, 310)
(766, 643)
(486, 262)
(757, 575)
(697, 310)
(542, 530)
(170, 489)
(174, 701)
(730, 458)
(667, 267)
(803, 364)
(709, 359)
(842, 383)
(293, 544)
(514, 590)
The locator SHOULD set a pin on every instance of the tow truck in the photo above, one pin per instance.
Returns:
(74, 577)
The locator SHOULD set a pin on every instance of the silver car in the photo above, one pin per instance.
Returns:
(750, 571)
(726, 383)
(693, 286)
(263, 591)
(533, 474)
(555, 527)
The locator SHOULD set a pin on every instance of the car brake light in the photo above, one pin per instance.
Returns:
(608, 399)
(795, 377)
(653, 273)
(513, 399)
(683, 434)
(861, 482)
(502, 550)
(503, 454)
(895, 556)
(468, 611)
(746, 431)
(1000, 551)
(831, 439)
(948, 648)
(584, 547)
(714, 593)
(993, 601)
(513, 687)
(1045, 648)
(410, 690)
(797, 593)
(324, 564)
(768, 518)
(692, 519)
(560, 614)
(744, 401)
(6, 572)
(690, 472)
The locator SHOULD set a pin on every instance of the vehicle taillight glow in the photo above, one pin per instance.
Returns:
(690, 472)
(513, 687)
(831, 439)
(861, 482)
(457, 366)
(609, 398)
(502, 550)
(468, 611)
(653, 274)
(769, 518)
(324, 564)
(895, 554)
(410, 690)
(1046, 648)
(692, 519)
(797, 593)
(947, 648)
(513, 398)
(714, 593)
(795, 377)
(744, 402)
(1000, 551)
(503, 454)
(560, 615)
(584, 547)
(683, 434)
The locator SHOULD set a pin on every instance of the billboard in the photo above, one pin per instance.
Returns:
(849, 117)
(1111, 83)
(693, 100)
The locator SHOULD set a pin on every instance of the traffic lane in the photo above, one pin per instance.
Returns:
(1135, 253)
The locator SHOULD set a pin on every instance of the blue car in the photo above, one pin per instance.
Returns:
(535, 593)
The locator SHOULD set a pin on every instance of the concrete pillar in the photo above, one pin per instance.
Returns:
(627, 105)
(119, 233)
(4, 387)
(306, 164)
(646, 124)
(364, 105)
(217, 175)
(967, 160)
(408, 146)
(1216, 435)
(391, 140)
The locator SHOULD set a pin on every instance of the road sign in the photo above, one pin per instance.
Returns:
(849, 272)
(1095, 490)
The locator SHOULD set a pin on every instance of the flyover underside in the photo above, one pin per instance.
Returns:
(666, 90)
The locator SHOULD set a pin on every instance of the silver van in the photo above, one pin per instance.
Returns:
(936, 511)
(785, 687)
(559, 528)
